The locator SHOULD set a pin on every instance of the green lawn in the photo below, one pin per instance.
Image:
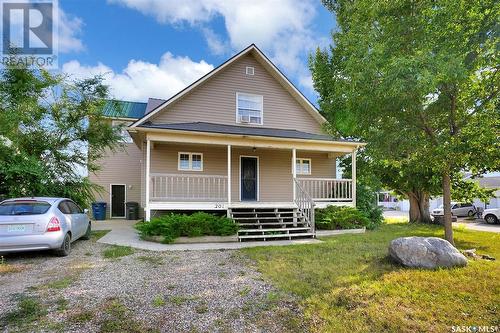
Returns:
(348, 283)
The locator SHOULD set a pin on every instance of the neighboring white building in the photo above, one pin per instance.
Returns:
(387, 201)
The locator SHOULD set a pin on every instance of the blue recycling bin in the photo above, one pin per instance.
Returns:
(99, 210)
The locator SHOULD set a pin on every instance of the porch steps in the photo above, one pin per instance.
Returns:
(269, 223)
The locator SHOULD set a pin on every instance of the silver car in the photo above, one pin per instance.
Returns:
(457, 209)
(39, 223)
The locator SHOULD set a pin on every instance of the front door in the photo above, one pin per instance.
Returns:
(249, 175)
(117, 200)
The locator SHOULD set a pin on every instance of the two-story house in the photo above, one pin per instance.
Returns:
(242, 139)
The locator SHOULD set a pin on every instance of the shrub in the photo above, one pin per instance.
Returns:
(171, 226)
(334, 217)
(366, 203)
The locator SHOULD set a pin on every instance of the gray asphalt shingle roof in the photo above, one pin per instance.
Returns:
(242, 130)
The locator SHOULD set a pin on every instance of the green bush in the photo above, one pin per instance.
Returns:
(171, 226)
(334, 217)
(366, 202)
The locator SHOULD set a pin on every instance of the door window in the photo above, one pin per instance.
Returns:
(73, 208)
(64, 208)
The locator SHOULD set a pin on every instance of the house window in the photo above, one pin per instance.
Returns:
(124, 134)
(303, 166)
(250, 70)
(190, 161)
(249, 108)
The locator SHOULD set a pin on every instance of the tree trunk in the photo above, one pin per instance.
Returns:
(448, 229)
(419, 207)
(414, 208)
(425, 214)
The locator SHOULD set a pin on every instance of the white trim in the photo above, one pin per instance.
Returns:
(258, 177)
(261, 108)
(353, 176)
(301, 162)
(299, 96)
(111, 201)
(294, 172)
(147, 210)
(229, 174)
(250, 70)
(190, 161)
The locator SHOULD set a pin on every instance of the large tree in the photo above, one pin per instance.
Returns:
(417, 80)
(47, 123)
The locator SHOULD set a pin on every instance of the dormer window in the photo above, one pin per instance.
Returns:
(250, 70)
(249, 109)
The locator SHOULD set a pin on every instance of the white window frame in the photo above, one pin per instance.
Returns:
(249, 70)
(298, 166)
(261, 110)
(190, 161)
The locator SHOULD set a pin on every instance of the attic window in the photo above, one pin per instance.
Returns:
(250, 70)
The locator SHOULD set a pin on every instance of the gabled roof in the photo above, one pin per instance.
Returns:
(124, 109)
(242, 130)
(263, 60)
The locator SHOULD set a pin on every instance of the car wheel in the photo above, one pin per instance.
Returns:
(491, 219)
(470, 213)
(65, 248)
(87, 233)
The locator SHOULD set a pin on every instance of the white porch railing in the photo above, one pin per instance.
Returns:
(327, 189)
(180, 187)
(305, 204)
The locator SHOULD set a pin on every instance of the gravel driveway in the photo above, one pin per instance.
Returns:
(140, 291)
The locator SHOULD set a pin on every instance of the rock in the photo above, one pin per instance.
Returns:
(425, 252)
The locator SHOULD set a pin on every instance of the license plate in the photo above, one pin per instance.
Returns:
(16, 228)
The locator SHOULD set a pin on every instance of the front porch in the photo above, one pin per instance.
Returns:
(261, 181)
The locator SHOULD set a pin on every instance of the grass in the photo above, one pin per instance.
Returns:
(155, 261)
(158, 301)
(97, 234)
(119, 319)
(117, 251)
(29, 310)
(6, 268)
(63, 283)
(348, 283)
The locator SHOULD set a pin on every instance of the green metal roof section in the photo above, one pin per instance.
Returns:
(124, 109)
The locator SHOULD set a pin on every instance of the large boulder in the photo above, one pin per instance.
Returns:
(425, 252)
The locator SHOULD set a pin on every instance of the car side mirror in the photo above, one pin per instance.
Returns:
(85, 211)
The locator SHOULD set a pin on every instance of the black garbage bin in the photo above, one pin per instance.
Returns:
(132, 210)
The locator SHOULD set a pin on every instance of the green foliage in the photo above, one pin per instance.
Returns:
(467, 191)
(366, 203)
(51, 132)
(340, 217)
(172, 226)
(418, 81)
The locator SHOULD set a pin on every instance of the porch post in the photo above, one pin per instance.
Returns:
(147, 211)
(294, 171)
(228, 174)
(353, 171)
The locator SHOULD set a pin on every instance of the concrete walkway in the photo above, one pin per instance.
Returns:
(123, 233)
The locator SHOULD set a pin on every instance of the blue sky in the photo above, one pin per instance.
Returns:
(153, 48)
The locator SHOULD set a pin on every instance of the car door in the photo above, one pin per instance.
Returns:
(78, 219)
(65, 209)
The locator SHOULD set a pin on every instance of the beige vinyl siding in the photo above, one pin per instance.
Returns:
(121, 167)
(275, 167)
(215, 100)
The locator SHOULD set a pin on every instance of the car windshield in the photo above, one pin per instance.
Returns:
(24, 207)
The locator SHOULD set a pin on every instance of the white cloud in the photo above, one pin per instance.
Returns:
(141, 80)
(283, 29)
(70, 27)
